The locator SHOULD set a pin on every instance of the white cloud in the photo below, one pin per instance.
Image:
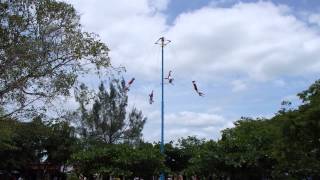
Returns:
(238, 85)
(290, 98)
(254, 41)
(294, 99)
(129, 29)
(159, 5)
(259, 40)
(193, 119)
(280, 83)
(187, 123)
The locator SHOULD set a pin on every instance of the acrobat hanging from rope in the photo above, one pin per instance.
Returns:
(129, 84)
(196, 88)
(151, 97)
(169, 77)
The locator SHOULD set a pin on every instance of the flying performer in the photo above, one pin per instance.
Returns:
(129, 84)
(170, 78)
(151, 97)
(196, 88)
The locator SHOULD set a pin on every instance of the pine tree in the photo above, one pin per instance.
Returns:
(108, 120)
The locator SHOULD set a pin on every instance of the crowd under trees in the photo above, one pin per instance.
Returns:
(44, 50)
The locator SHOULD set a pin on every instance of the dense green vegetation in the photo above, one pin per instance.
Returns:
(42, 52)
(283, 147)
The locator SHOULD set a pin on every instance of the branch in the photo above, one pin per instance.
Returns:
(19, 109)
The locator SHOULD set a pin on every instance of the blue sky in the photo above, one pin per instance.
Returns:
(246, 56)
(176, 7)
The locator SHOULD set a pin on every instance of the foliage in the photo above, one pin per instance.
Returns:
(107, 120)
(61, 143)
(7, 132)
(147, 161)
(119, 160)
(26, 144)
(285, 146)
(176, 159)
(43, 49)
(300, 153)
(34, 142)
(248, 148)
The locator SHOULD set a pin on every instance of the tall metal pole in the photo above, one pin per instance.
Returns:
(162, 98)
(162, 42)
(162, 105)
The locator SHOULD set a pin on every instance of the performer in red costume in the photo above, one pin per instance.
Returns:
(129, 84)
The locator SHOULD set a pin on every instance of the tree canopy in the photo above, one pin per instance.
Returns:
(285, 146)
(107, 120)
(43, 49)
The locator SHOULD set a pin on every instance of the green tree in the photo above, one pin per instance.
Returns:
(25, 145)
(248, 148)
(43, 49)
(105, 160)
(7, 132)
(176, 159)
(211, 160)
(108, 120)
(119, 160)
(190, 148)
(299, 152)
(61, 143)
(132, 135)
(147, 161)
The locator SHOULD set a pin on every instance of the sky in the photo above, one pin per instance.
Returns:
(246, 56)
